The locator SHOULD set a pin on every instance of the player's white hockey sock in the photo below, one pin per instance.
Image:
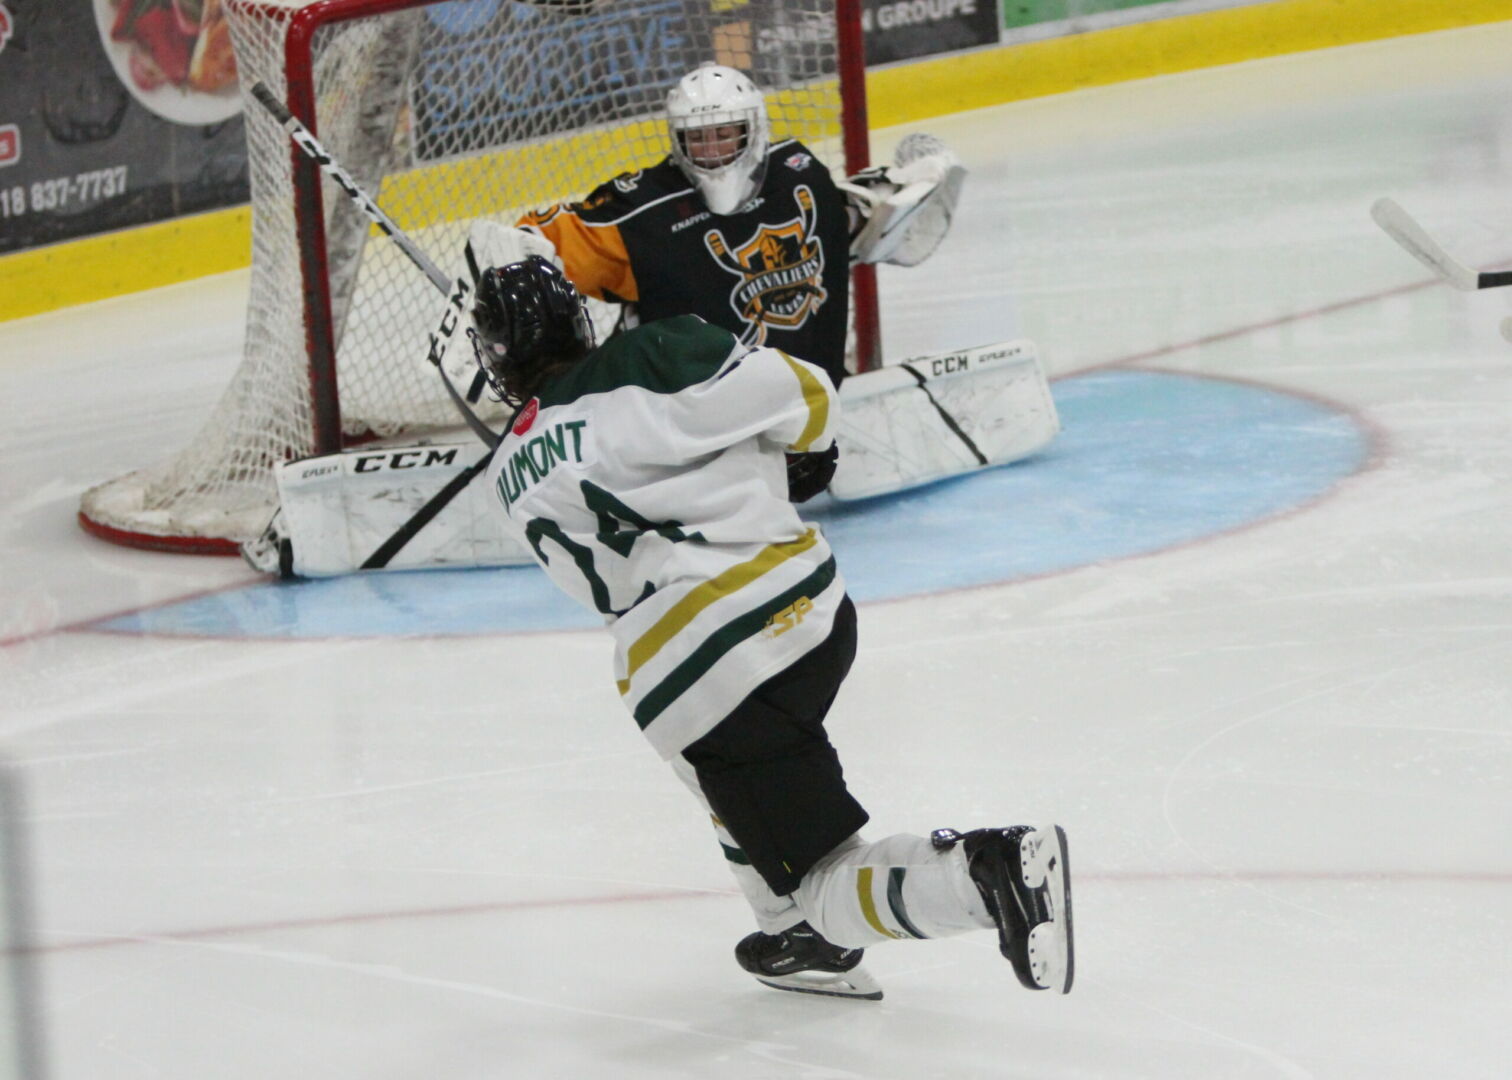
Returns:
(897, 888)
(774, 913)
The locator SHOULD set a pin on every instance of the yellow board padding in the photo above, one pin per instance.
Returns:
(79, 271)
(131, 260)
(165, 253)
(516, 178)
(905, 93)
(535, 175)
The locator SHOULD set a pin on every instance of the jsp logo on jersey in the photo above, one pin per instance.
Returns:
(530, 463)
(789, 616)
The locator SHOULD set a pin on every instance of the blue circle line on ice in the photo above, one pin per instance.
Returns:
(1146, 461)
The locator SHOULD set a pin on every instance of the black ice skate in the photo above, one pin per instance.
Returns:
(800, 959)
(1025, 878)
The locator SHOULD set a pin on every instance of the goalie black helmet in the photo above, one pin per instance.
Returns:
(527, 317)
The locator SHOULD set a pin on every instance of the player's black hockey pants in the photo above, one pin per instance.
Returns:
(769, 771)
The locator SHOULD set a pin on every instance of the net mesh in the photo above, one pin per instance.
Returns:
(449, 112)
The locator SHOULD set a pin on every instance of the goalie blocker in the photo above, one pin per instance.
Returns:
(415, 507)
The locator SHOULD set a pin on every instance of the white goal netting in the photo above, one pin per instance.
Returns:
(447, 111)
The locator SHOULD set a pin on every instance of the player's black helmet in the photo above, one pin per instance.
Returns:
(527, 317)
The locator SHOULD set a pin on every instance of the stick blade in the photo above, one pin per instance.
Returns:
(1400, 226)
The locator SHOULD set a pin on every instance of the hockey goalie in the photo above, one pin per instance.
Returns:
(751, 235)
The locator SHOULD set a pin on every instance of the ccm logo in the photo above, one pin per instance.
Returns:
(944, 365)
(10, 144)
(405, 459)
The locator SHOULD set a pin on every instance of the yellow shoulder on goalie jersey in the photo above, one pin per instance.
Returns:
(622, 197)
(587, 233)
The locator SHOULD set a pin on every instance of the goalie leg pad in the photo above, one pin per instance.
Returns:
(937, 416)
(378, 508)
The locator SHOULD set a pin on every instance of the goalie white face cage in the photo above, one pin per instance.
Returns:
(444, 113)
(720, 99)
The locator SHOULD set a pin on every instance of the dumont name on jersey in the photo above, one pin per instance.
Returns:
(532, 462)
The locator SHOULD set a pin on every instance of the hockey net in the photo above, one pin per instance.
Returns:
(448, 112)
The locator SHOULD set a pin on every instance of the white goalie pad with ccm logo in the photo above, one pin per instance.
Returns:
(912, 423)
(413, 507)
(390, 508)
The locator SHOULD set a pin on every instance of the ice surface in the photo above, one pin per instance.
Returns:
(1282, 748)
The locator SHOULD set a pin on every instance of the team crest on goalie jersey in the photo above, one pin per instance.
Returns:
(780, 269)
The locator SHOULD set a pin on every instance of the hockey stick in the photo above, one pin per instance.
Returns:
(1400, 226)
(423, 517)
(456, 292)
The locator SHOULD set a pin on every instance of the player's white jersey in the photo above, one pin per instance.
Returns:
(650, 481)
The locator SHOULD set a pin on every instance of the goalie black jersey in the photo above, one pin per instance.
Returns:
(777, 274)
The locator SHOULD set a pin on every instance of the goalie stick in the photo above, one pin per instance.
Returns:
(456, 292)
(1401, 227)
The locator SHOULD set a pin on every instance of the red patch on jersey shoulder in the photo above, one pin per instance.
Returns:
(527, 416)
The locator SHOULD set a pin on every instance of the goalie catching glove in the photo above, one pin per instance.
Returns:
(488, 244)
(902, 211)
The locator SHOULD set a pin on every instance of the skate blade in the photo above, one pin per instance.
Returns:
(1052, 952)
(855, 983)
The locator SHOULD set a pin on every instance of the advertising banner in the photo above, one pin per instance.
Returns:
(1090, 14)
(114, 113)
(906, 29)
(483, 79)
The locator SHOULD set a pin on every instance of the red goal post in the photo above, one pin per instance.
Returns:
(447, 112)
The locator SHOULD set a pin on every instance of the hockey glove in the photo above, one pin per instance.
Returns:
(809, 474)
(899, 213)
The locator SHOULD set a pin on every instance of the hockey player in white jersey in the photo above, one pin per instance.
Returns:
(654, 480)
